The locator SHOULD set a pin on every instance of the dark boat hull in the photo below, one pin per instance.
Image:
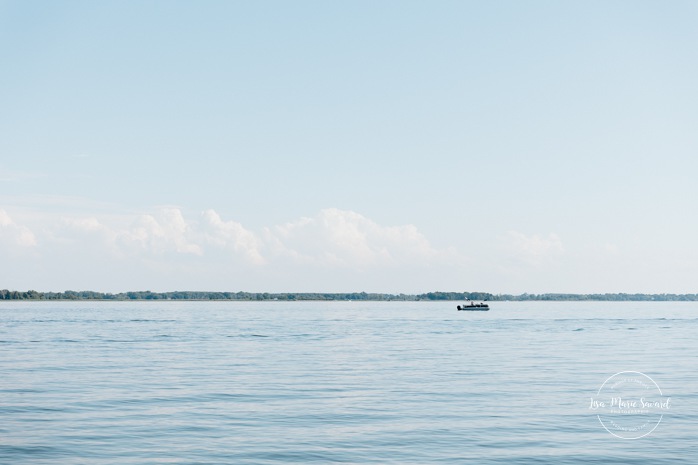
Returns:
(474, 308)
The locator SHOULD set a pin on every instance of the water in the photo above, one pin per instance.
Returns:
(341, 382)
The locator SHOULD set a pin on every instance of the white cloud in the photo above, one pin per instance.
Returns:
(347, 239)
(13, 235)
(88, 225)
(86, 235)
(333, 249)
(165, 232)
(232, 236)
(332, 238)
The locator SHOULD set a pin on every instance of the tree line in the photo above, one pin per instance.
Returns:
(359, 296)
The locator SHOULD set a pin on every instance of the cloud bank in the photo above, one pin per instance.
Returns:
(14, 236)
(166, 250)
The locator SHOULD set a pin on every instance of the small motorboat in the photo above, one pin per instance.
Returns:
(474, 307)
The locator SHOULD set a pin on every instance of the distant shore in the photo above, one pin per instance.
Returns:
(351, 296)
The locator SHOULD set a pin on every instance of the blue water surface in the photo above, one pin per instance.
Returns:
(337, 382)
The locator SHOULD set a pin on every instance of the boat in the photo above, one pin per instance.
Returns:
(474, 307)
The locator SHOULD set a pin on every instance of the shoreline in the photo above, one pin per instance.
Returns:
(241, 296)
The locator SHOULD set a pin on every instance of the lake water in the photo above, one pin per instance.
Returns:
(340, 382)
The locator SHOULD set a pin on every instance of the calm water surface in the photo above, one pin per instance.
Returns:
(341, 382)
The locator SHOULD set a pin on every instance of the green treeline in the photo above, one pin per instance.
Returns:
(261, 296)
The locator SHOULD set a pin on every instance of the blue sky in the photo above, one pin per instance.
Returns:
(344, 146)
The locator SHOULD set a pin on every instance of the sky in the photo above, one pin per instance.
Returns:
(378, 146)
